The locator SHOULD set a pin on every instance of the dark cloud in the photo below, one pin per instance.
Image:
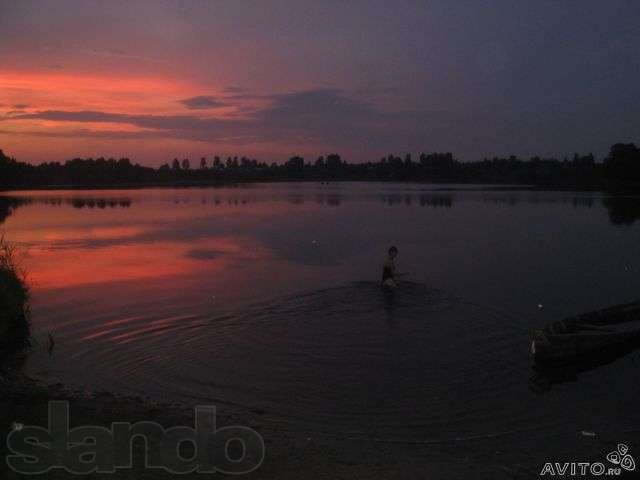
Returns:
(87, 133)
(292, 108)
(332, 117)
(20, 106)
(203, 254)
(117, 53)
(159, 122)
(203, 102)
(235, 89)
(246, 95)
(322, 116)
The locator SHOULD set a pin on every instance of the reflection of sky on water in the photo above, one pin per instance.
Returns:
(259, 237)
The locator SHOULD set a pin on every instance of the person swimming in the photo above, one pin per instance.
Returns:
(389, 269)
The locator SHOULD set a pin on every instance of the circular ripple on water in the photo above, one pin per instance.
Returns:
(350, 361)
(360, 361)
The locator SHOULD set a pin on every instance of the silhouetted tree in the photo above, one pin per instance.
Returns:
(623, 162)
(621, 168)
(334, 160)
(295, 163)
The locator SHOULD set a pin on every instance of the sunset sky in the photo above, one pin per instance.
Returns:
(153, 80)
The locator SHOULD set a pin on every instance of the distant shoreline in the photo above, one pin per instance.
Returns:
(620, 170)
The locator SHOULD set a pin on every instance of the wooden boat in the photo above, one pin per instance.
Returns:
(588, 334)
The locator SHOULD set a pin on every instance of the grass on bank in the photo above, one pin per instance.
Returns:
(14, 302)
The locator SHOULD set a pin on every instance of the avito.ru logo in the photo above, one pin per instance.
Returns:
(620, 458)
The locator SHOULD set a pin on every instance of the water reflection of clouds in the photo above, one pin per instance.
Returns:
(64, 265)
(270, 225)
(71, 236)
(187, 231)
(160, 241)
(622, 209)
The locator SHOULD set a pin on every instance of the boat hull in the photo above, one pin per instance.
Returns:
(547, 347)
(588, 334)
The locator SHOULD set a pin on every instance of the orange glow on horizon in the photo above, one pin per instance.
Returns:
(117, 94)
(37, 140)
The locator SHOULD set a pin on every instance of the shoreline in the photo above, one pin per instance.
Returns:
(293, 454)
(14, 305)
(289, 454)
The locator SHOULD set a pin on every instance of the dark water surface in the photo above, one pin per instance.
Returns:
(266, 296)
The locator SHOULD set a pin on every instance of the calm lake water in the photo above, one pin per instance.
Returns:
(267, 296)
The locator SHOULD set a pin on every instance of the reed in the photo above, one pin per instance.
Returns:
(14, 302)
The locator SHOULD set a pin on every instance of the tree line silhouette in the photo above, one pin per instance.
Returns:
(621, 167)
